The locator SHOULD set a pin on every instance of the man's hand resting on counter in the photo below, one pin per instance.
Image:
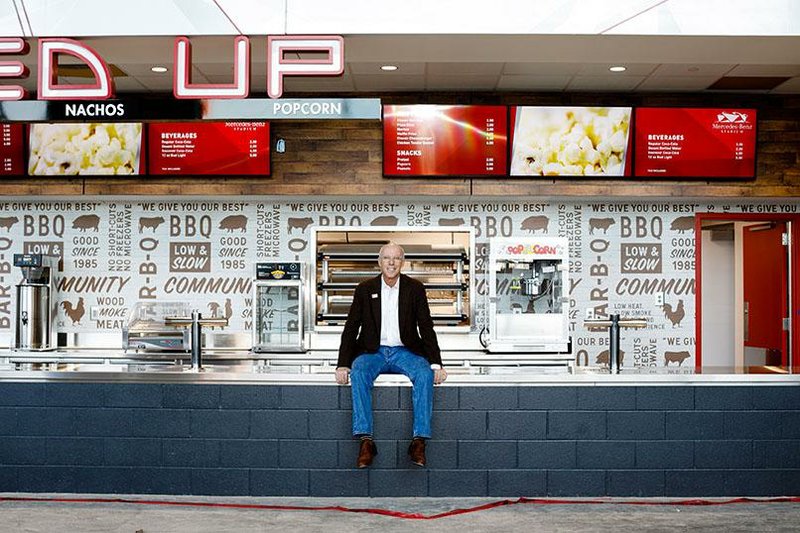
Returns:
(342, 375)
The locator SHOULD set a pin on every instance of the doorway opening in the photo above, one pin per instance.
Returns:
(747, 300)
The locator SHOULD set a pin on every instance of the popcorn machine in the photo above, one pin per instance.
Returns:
(528, 310)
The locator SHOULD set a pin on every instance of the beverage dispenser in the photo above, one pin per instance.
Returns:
(36, 302)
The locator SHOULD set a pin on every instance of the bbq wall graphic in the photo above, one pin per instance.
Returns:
(634, 258)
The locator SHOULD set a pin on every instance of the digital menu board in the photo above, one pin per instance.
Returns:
(90, 148)
(209, 148)
(695, 143)
(571, 141)
(444, 140)
(12, 162)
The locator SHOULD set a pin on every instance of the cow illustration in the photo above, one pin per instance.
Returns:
(232, 222)
(451, 221)
(300, 223)
(387, 220)
(682, 224)
(7, 222)
(150, 222)
(535, 223)
(600, 223)
(675, 357)
(85, 222)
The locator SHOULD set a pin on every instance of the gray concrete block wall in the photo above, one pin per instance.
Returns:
(488, 441)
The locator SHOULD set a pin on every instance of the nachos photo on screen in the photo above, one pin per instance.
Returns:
(90, 149)
(570, 141)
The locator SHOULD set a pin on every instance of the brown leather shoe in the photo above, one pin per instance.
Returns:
(417, 451)
(366, 453)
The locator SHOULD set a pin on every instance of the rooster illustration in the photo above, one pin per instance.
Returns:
(74, 313)
(215, 309)
(675, 316)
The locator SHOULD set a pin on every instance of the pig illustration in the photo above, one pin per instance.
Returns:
(7, 222)
(602, 357)
(535, 223)
(387, 220)
(451, 221)
(300, 223)
(675, 357)
(150, 222)
(682, 224)
(232, 222)
(600, 223)
(85, 222)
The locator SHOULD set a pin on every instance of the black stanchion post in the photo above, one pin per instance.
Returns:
(613, 347)
(197, 362)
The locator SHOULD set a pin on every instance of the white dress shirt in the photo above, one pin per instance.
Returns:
(390, 321)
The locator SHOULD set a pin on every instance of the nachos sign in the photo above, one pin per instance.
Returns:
(327, 60)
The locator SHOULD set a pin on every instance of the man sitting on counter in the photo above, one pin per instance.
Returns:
(389, 330)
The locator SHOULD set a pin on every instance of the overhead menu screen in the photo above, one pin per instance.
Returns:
(444, 140)
(12, 161)
(695, 143)
(91, 149)
(571, 141)
(209, 148)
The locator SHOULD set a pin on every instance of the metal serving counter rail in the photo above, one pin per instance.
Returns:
(465, 368)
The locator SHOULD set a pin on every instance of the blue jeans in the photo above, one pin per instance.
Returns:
(391, 360)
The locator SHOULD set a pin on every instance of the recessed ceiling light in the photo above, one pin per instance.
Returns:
(619, 68)
(158, 69)
(388, 68)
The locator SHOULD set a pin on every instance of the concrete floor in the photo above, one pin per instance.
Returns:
(132, 517)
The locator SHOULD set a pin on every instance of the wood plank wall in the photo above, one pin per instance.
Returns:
(344, 158)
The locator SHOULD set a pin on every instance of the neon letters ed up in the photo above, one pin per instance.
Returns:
(327, 59)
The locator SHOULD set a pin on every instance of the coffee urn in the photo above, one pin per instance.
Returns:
(36, 302)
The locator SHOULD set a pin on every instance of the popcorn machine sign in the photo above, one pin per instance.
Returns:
(327, 60)
(534, 249)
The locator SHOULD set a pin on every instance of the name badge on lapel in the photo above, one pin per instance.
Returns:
(374, 296)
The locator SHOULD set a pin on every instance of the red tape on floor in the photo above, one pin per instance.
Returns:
(400, 514)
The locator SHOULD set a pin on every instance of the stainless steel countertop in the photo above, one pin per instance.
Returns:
(465, 368)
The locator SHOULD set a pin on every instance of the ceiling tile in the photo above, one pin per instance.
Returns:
(128, 84)
(318, 83)
(791, 86)
(478, 69)
(633, 69)
(533, 83)
(371, 67)
(604, 83)
(156, 83)
(765, 70)
(461, 83)
(692, 69)
(542, 69)
(217, 69)
(376, 82)
(676, 83)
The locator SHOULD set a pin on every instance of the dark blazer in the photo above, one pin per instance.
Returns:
(362, 331)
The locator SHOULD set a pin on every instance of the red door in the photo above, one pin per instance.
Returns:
(766, 300)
